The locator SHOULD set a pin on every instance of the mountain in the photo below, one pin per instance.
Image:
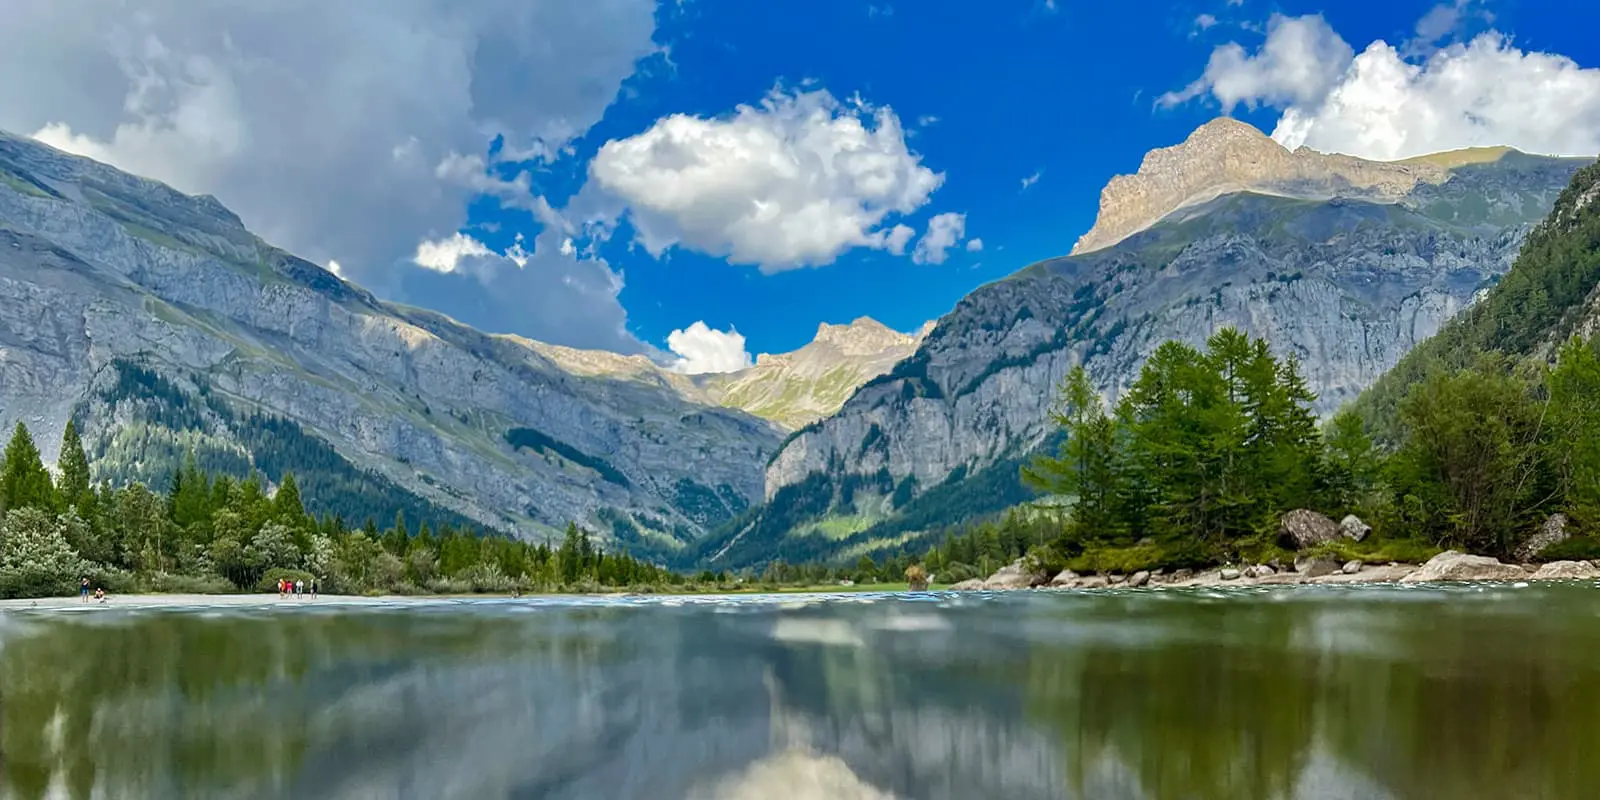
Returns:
(163, 326)
(796, 389)
(1550, 295)
(1341, 263)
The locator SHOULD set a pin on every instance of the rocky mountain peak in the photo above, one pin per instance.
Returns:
(863, 336)
(1226, 156)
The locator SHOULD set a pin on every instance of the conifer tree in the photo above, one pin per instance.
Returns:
(24, 482)
(74, 488)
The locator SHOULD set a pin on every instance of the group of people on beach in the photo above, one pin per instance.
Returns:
(296, 587)
(83, 591)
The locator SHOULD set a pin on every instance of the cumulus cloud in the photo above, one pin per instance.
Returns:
(341, 130)
(557, 293)
(701, 348)
(898, 237)
(1383, 105)
(794, 181)
(444, 255)
(944, 232)
(1301, 60)
(974, 245)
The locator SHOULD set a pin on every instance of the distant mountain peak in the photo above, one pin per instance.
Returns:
(1226, 156)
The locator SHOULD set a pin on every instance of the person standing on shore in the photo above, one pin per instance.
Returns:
(83, 589)
(299, 587)
(313, 588)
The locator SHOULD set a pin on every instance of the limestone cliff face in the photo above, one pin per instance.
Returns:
(98, 267)
(1225, 156)
(1348, 285)
(799, 388)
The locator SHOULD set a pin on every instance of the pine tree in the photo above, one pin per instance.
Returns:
(74, 487)
(287, 506)
(24, 482)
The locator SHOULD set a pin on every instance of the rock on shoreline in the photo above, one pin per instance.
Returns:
(1449, 566)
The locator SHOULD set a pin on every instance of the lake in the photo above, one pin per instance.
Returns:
(1425, 692)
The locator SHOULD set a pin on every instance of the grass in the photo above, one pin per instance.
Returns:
(836, 528)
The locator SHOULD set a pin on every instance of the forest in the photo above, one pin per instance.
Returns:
(214, 533)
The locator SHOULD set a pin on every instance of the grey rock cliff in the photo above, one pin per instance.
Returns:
(1346, 285)
(98, 267)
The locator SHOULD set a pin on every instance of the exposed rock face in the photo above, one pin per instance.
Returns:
(98, 267)
(1225, 156)
(1352, 528)
(1553, 531)
(1303, 528)
(1455, 566)
(1348, 286)
(1566, 571)
(799, 388)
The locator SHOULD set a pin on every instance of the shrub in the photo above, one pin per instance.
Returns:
(1577, 548)
(1121, 560)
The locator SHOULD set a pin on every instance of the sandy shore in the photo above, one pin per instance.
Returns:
(153, 601)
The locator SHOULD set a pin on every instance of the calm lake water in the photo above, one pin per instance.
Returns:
(1291, 692)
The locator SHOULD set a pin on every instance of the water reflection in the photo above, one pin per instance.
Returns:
(1298, 693)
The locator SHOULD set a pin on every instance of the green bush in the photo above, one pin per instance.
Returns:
(956, 572)
(1577, 548)
(170, 583)
(1377, 550)
(1121, 560)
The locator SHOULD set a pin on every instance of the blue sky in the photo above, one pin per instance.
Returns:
(408, 144)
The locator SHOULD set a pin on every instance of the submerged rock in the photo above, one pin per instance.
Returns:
(1455, 566)
(1566, 571)
(1303, 528)
(1553, 531)
(1352, 528)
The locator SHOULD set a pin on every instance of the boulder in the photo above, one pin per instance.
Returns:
(1316, 567)
(971, 585)
(1552, 531)
(1351, 567)
(1454, 566)
(1065, 577)
(1352, 528)
(1303, 528)
(1011, 576)
(1138, 579)
(1228, 574)
(1182, 574)
(1093, 582)
(1259, 571)
(1566, 571)
(1115, 579)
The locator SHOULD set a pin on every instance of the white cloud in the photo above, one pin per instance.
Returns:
(701, 348)
(1031, 179)
(444, 255)
(1382, 105)
(793, 182)
(927, 119)
(944, 231)
(974, 245)
(899, 236)
(334, 129)
(1301, 60)
(1205, 22)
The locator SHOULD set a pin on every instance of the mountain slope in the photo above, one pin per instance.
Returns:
(1347, 284)
(1551, 294)
(102, 273)
(799, 388)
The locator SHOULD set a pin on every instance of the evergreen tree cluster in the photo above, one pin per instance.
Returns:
(210, 532)
(1207, 450)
